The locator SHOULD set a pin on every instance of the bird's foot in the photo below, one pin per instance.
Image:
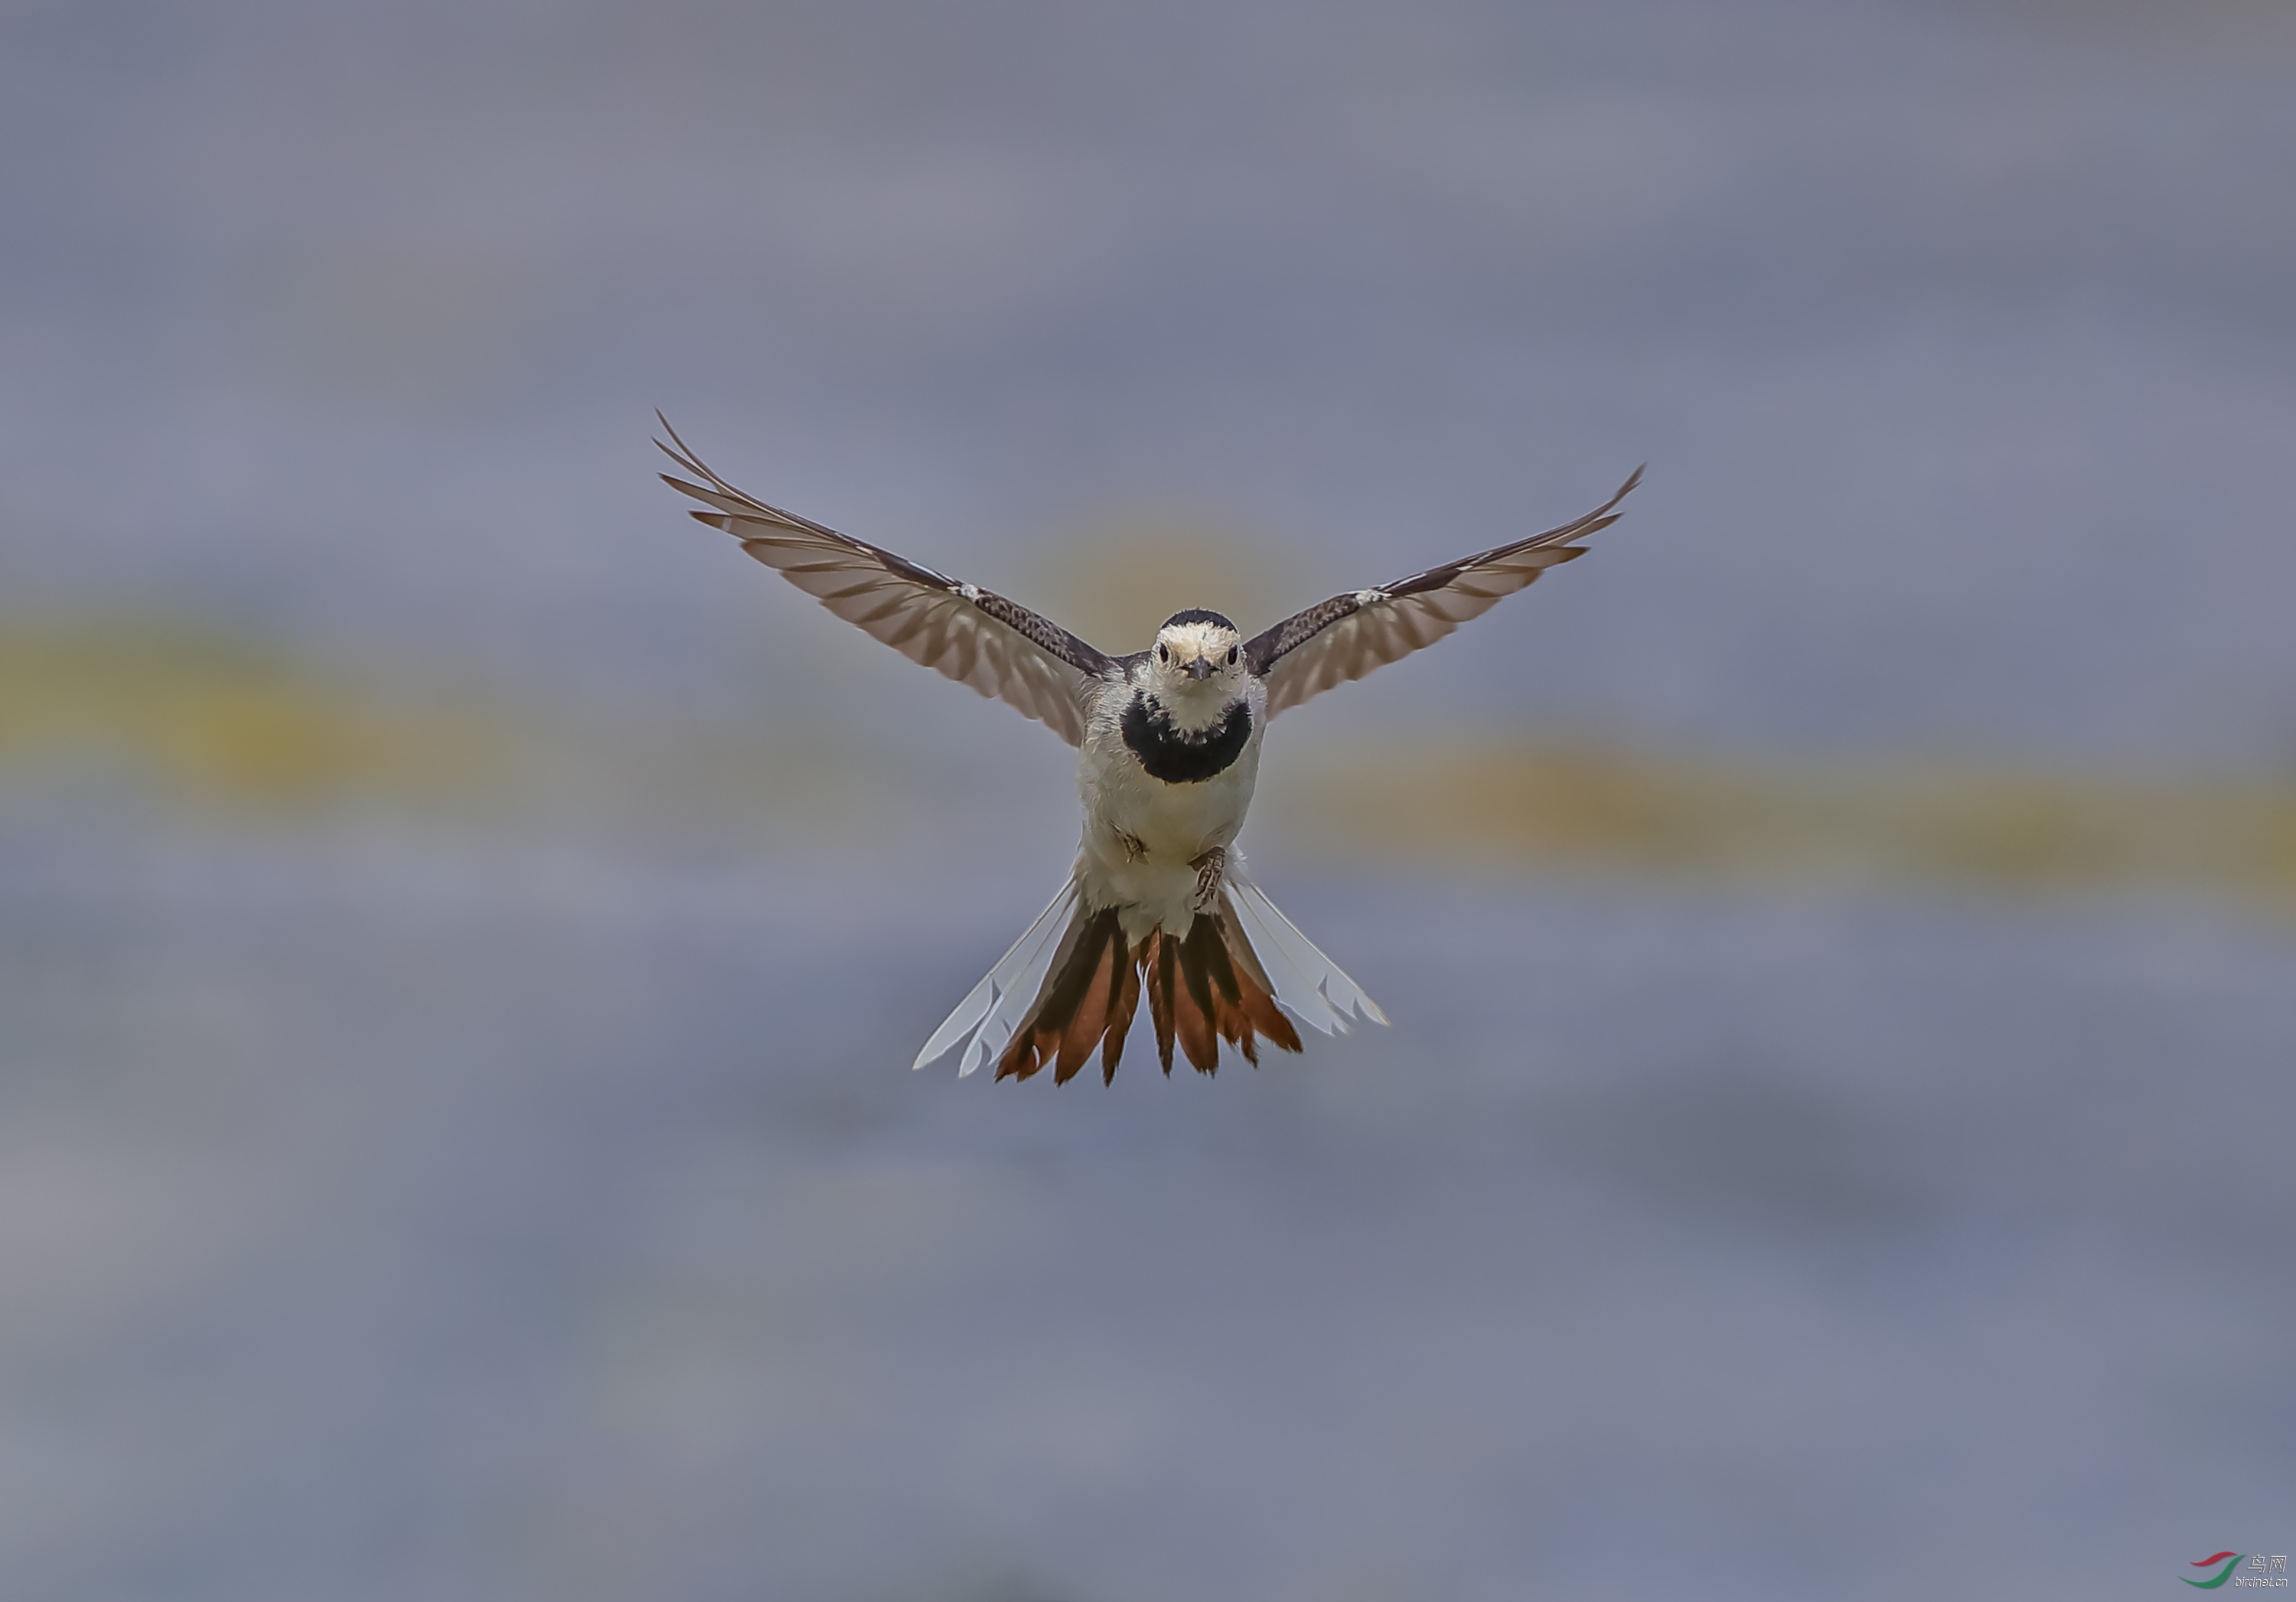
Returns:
(1134, 848)
(1209, 868)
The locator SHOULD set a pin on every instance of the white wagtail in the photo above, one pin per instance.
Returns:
(1168, 748)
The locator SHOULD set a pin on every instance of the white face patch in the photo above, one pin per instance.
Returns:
(1179, 643)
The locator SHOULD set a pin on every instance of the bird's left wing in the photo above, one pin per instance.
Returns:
(961, 632)
(1348, 635)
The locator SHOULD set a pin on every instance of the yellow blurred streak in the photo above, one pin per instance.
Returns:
(1577, 805)
(181, 714)
(231, 725)
(210, 716)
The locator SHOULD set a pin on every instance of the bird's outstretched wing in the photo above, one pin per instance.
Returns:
(961, 632)
(1348, 635)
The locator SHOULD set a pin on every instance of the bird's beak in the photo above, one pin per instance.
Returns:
(1201, 667)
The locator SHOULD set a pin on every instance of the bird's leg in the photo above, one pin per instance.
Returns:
(1134, 848)
(1209, 868)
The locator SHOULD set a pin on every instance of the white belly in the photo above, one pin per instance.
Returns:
(1172, 826)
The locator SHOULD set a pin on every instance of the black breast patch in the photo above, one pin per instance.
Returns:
(1183, 758)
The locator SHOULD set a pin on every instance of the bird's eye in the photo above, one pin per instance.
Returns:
(1164, 653)
(1230, 654)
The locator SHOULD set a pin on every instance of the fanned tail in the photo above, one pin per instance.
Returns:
(1231, 977)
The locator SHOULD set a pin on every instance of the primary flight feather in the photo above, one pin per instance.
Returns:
(1169, 738)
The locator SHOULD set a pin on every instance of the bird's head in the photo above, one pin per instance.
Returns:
(1196, 652)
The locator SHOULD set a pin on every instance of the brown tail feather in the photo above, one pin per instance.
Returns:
(1090, 1021)
(1227, 1009)
(1192, 1011)
(1040, 1038)
(1204, 938)
(1203, 988)
(1158, 968)
(1119, 1019)
(1258, 990)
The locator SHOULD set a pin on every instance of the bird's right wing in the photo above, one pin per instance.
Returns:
(1348, 635)
(961, 632)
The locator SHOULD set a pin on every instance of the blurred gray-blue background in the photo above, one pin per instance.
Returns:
(463, 931)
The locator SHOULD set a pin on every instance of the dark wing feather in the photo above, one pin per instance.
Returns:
(1348, 635)
(962, 631)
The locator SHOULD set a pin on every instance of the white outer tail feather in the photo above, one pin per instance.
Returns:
(1308, 985)
(1006, 992)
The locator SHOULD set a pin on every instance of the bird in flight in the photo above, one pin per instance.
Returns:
(1169, 745)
